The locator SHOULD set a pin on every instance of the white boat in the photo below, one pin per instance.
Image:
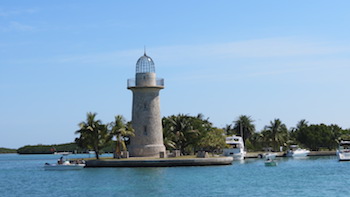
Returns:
(64, 164)
(297, 152)
(236, 149)
(63, 153)
(269, 155)
(343, 152)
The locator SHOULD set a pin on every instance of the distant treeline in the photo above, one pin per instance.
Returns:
(49, 149)
(7, 150)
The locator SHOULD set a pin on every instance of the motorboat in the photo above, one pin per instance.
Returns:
(298, 153)
(269, 155)
(295, 151)
(64, 164)
(343, 151)
(236, 148)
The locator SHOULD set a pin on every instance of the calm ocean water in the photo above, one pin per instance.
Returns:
(23, 175)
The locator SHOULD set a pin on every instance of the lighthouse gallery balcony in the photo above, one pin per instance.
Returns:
(132, 83)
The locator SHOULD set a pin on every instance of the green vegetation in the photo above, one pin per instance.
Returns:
(48, 149)
(190, 134)
(319, 136)
(275, 135)
(313, 137)
(122, 131)
(244, 124)
(67, 147)
(93, 135)
(97, 136)
(7, 150)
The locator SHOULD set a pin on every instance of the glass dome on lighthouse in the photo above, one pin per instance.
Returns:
(145, 75)
(145, 64)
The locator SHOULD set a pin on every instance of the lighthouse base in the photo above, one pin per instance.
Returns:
(152, 150)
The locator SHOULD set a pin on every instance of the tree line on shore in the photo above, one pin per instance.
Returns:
(66, 147)
(7, 150)
(190, 134)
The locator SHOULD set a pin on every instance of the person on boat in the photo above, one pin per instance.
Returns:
(60, 161)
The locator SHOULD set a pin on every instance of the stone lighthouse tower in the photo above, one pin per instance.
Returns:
(146, 120)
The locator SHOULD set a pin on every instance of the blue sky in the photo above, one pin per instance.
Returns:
(266, 59)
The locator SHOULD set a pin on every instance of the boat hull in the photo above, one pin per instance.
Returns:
(237, 154)
(64, 167)
(343, 156)
(298, 153)
(270, 163)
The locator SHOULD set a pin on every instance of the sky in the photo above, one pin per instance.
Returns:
(267, 59)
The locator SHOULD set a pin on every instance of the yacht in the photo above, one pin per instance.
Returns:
(343, 152)
(295, 151)
(236, 147)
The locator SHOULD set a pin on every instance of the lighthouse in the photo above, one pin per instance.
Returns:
(146, 118)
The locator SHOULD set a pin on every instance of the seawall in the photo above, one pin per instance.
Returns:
(159, 162)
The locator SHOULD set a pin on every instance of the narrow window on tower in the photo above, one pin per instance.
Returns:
(144, 130)
(144, 107)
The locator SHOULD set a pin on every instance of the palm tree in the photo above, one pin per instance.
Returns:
(168, 135)
(295, 131)
(257, 140)
(302, 124)
(121, 130)
(182, 129)
(93, 134)
(244, 127)
(229, 130)
(276, 133)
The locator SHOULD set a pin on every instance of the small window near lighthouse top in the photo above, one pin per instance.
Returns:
(145, 107)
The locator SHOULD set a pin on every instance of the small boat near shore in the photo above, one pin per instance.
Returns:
(295, 151)
(268, 155)
(343, 151)
(270, 159)
(64, 164)
(270, 162)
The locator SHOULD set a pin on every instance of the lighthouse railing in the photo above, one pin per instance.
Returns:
(132, 82)
(160, 82)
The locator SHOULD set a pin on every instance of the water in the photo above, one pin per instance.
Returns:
(23, 175)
